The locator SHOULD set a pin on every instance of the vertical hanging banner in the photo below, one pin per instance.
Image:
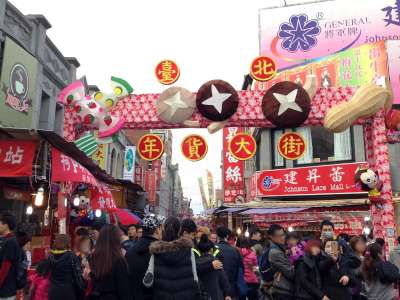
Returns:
(210, 184)
(139, 174)
(233, 168)
(150, 186)
(202, 193)
(129, 163)
(157, 173)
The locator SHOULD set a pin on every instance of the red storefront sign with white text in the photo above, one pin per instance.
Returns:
(101, 198)
(233, 168)
(315, 180)
(16, 158)
(64, 169)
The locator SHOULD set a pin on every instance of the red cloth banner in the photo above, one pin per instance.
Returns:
(150, 185)
(16, 158)
(252, 188)
(316, 180)
(61, 207)
(157, 172)
(64, 168)
(233, 169)
(101, 198)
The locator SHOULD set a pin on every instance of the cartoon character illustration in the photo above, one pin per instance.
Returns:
(368, 180)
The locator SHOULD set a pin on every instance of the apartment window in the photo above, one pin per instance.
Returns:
(322, 146)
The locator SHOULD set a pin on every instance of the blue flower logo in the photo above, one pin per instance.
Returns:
(299, 34)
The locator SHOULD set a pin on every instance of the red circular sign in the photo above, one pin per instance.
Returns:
(291, 145)
(150, 147)
(263, 68)
(167, 72)
(242, 146)
(194, 147)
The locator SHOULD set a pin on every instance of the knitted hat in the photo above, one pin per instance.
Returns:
(152, 221)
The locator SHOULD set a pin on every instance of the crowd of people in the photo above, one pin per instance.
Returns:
(172, 259)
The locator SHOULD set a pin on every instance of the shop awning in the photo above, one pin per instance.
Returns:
(231, 210)
(268, 211)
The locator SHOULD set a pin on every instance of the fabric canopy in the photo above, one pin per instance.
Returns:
(268, 211)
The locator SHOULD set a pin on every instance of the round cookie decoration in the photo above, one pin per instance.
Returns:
(217, 100)
(286, 105)
(175, 105)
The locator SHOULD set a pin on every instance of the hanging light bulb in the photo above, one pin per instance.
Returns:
(76, 200)
(29, 210)
(39, 197)
(367, 218)
(97, 213)
(290, 229)
(247, 233)
(367, 230)
(239, 231)
(65, 202)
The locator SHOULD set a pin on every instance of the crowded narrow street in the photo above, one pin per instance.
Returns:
(209, 150)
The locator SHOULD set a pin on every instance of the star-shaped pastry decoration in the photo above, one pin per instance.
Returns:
(287, 102)
(175, 105)
(286, 105)
(217, 100)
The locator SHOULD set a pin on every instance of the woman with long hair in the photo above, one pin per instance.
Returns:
(173, 265)
(358, 245)
(109, 270)
(379, 275)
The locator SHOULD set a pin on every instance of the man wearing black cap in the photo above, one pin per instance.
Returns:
(138, 256)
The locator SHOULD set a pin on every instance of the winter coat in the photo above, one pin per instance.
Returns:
(249, 262)
(39, 287)
(62, 279)
(394, 256)
(215, 284)
(284, 270)
(232, 261)
(113, 286)
(308, 278)
(382, 287)
(173, 273)
(138, 257)
(331, 272)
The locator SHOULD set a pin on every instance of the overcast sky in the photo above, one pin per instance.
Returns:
(209, 39)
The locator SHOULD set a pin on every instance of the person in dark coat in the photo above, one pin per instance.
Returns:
(138, 256)
(308, 278)
(109, 269)
(66, 281)
(175, 272)
(231, 259)
(215, 285)
(336, 274)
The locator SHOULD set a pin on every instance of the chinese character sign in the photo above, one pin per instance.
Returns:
(139, 174)
(291, 146)
(167, 72)
(316, 180)
(194, 147)
(101, 198)
(150, 147)
(295, 34)
(263, 68)
(16, 158)
(64, 168)
(242, 146)
(233, 167)
(150, 185)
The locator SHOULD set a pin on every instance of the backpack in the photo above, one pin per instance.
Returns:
(267, 273)
(22, 270)
(387, 272)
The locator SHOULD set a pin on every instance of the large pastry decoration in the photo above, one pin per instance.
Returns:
(217, 101)
(176, 105)
(94, 111)
(366, 102)
(287, 105)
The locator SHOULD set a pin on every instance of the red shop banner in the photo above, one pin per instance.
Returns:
(157, 172)
(64, 168)
(306, 181)
(139, 174)
(101, 198)
(16, 158)
(150, 185)
(233, 168)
